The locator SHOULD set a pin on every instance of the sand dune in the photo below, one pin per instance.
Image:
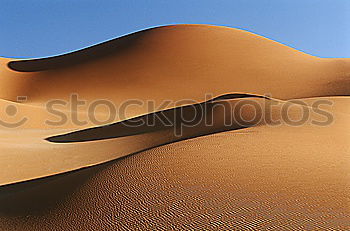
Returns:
(164, 63)
(243, 173)
(258, 178)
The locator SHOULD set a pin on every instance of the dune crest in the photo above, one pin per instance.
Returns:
(162, 63)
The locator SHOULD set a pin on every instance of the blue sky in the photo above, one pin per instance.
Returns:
(40, 28)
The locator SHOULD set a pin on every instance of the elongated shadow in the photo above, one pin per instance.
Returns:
(161, 120)
(73, 58)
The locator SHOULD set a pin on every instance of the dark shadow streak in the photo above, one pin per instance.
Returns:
(84, 55)
(152, 122)
(36, 197)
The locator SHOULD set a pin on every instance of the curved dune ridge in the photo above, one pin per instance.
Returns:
(200, 105)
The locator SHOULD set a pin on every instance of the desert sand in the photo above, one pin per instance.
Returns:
(109, 175)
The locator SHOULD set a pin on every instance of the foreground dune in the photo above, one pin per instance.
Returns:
(257, 178)
(246, 173)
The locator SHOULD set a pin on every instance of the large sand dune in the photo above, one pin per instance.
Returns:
(248, 174)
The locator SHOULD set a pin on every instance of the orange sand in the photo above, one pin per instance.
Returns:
(254, 176)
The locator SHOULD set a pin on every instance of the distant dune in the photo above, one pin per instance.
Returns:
(104, 173)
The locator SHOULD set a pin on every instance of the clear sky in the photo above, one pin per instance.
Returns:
(40, 28)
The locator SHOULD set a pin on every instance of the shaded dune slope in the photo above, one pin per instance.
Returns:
(193, 116)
